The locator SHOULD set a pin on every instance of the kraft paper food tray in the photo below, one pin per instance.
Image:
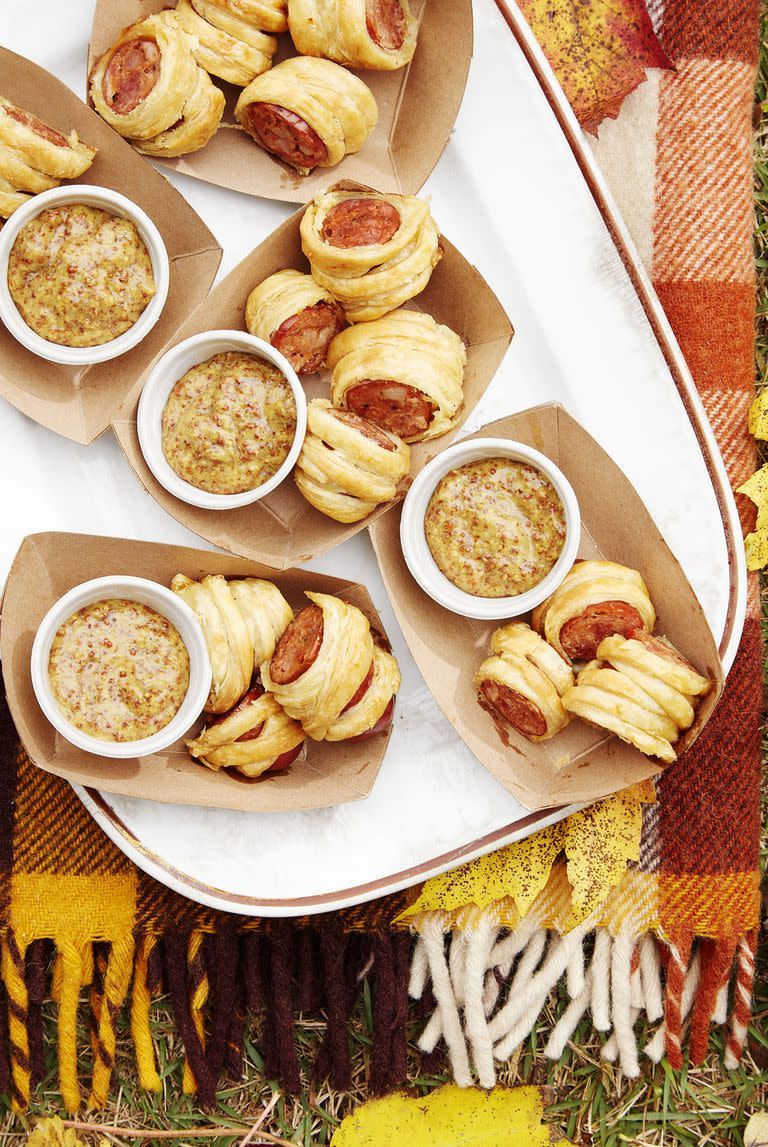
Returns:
(80, 402)
(580, 764)
(417, 106)
(47, 565)
(283, 529)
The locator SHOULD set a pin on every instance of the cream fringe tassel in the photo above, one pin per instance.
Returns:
(469, 970)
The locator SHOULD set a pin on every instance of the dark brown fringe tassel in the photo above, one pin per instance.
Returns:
(223, 973)
(254, 971)
(5, 1048)
(181, 991)
(280, 1059)
(38, 956)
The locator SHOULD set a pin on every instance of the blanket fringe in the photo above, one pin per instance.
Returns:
(490, 987)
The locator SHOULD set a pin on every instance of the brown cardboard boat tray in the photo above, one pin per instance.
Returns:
(580, 764)
(418, 106)
(48, 565)
(80, 402)
(283, 529)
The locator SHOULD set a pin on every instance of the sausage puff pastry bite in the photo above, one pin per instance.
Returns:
(19, 175)
(595, 600)
(40, 147)
(10, 199)
(241, 622)
(297, 316)
(238, 59)
(371, 709)
(320, 662)
(267, 15)
(658, 668)
(309, 113)
(379, 34)
(254, 738)
(348, 466)
(607, 699)
(142, 83)
(200, 118)
(373, 252)
(405, 372)
(524, 682)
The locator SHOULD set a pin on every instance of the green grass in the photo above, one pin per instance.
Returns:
(587, 1097)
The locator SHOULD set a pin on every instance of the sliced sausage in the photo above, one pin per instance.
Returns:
(131, 74)
(381, 726)
(36, 125)
(662, 648)
(386, 24)
(581, 635)
(360, 223)
(518, 711)
(395, 406)
(299, 646)
(361, 690)
(304, 338)
(367, 428)
(285, 134)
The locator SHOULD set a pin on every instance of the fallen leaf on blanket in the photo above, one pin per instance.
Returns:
(756, 1131)
(53, 1133)
(758, 416)
(598, 50)
(504, 1117)
(756, 543)
(598, 842)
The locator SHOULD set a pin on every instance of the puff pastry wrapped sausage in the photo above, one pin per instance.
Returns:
(40, 147)
(309, 113)
(297, 316)
(142, 83)
(254, 738)
(348, 466)
(10, 199)
(524, 682)
(241, 623)
(595, 600)
(373, 252)
(379, 34)
(237, 56)
(320, 662)
(644, 692)
(404, 372)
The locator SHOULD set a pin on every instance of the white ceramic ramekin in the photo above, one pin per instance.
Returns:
(116, 204)
(419, 558)
(166, 373)
(162, 600)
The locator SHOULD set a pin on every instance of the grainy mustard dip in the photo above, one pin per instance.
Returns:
(229, 423)
(119, 670)
(495, 527)
(79, 276)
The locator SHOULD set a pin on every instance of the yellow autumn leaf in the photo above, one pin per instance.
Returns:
(450, 1117)
(600, 841)
(758, 416)
(599, 51)
(756, 543)
(53, 1133)
(756, 1131)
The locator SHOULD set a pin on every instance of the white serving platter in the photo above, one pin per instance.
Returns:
(518, 188)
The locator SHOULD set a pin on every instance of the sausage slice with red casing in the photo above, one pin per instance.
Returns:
(394, 406)
(285, 134)
(297, 649)
(131, 74)
(581, 635)
(386, 23)
(304, 338)
(360, 223)
(518, 711)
